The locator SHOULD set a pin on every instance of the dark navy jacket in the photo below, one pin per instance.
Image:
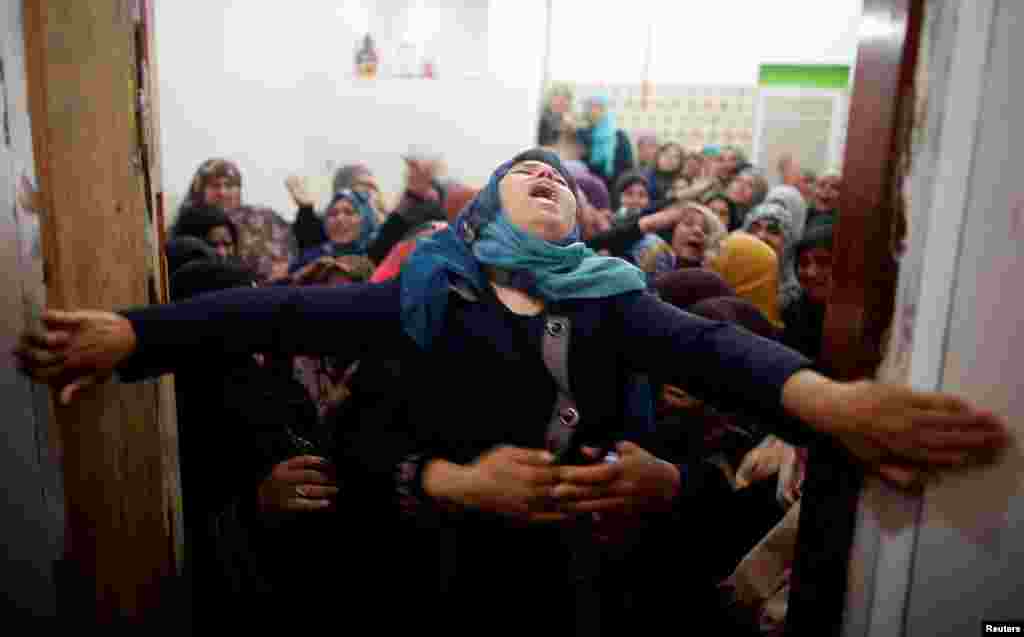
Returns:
(483, 383)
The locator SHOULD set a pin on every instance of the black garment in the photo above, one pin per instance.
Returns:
(660, 183)
(737, 520)
(232, 420)
(493, 568)
(549, 131)
(828, 519)
(200, 276)
(623, 156)
(197, 221)
(619, 238)
(805, 326)
(444, 557)
(624, 233)
(309, 230)
(182, 250)
(236, 419)
(400, 223)
(817, 218)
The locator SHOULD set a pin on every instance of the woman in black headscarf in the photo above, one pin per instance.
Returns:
(239, 415)
(210, 224)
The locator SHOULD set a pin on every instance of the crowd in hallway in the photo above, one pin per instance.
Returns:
(608, 322)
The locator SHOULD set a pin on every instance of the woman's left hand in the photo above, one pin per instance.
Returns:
(636, 482)
(901, 432)
(907, 432)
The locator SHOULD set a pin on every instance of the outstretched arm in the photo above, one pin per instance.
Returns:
(81, 348)
(892, 427)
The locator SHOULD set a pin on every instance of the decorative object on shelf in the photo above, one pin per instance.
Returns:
(367, 59)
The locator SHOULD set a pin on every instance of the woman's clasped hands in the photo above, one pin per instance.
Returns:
(526, 484)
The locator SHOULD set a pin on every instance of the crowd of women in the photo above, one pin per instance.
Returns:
(579, 398)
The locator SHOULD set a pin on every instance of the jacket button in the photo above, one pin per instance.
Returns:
(569, 417)
(555, 328)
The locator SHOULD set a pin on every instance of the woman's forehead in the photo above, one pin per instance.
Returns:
(532, 163)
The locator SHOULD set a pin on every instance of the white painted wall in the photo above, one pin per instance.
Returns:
(271, 84)
(720, 42)
(942, 563)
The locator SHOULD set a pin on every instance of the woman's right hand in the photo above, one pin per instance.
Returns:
(302, 483)
(420, 178)
(74, 350)
(510, 481)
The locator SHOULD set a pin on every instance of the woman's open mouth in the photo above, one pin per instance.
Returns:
(544, 192)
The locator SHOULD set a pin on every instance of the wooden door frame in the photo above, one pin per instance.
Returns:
(862, 304)
(120, 457)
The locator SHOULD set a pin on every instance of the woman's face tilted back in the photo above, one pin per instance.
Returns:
(537, 199)
(689, 239)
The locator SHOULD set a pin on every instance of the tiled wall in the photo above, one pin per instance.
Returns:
(690, 115)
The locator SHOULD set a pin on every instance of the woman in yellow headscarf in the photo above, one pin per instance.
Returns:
(750, 267)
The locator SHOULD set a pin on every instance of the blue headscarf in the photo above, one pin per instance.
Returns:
(604, 141)
(367, 232)
(482, 236)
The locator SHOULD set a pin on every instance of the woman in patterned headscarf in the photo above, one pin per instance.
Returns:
(265, 242)
(217, 182)
(557, 115)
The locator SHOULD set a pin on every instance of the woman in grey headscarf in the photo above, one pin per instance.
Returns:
(789, 197)
(773, 223)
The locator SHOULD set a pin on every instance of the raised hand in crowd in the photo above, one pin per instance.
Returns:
(297, 189)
